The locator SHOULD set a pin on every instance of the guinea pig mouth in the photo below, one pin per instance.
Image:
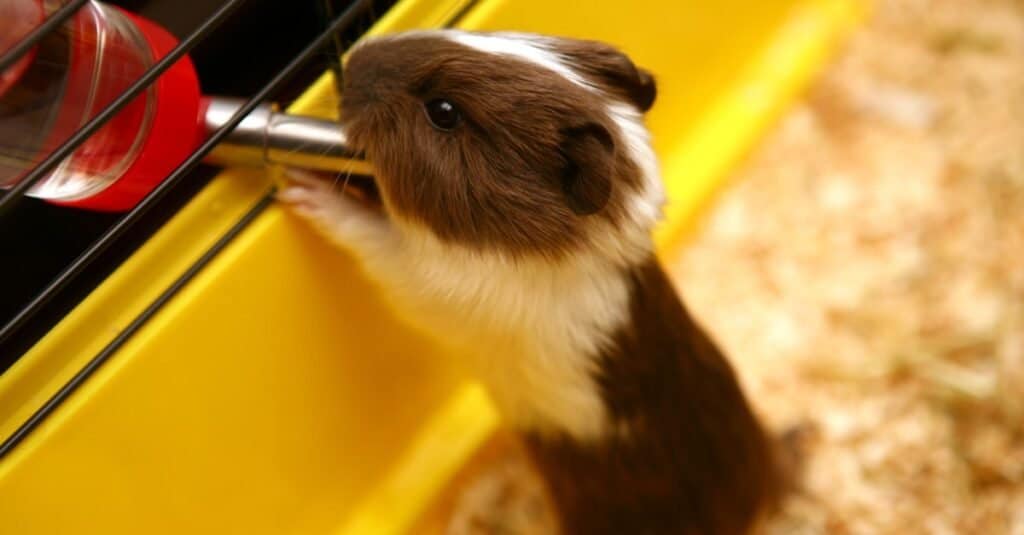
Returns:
(361, 188)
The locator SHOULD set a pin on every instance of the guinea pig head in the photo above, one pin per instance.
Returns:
(497, 141)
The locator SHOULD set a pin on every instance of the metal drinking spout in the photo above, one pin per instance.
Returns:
(267, 136)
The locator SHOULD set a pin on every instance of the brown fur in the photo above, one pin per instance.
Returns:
(529, 164)
(691, 458)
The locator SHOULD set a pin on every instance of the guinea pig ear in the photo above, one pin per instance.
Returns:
(616, 70)
(644, 89)
(635, 83)
(589, 154)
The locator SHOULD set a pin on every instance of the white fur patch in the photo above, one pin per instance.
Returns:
(530, 328)
(529, 48)
(647, 204)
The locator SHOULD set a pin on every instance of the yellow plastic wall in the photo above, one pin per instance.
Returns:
(274, 394)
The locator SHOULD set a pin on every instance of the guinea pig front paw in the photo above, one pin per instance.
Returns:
(318, 201)
(310, 196)
(307, 200)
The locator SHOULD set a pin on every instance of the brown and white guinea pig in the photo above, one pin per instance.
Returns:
(517, 194)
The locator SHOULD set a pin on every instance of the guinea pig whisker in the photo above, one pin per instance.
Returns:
(348, 177)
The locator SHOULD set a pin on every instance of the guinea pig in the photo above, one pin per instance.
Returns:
(510, 217)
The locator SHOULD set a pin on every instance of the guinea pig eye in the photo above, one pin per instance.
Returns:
(443, 114)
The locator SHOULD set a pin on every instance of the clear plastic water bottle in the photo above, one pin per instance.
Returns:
(69, 77)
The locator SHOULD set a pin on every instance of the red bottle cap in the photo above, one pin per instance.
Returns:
(174, 131)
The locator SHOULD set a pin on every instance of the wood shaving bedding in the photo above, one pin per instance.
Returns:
(865, 272)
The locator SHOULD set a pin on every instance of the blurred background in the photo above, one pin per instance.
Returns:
(865, 273)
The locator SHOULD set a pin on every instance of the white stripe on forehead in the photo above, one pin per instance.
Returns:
(521, 46)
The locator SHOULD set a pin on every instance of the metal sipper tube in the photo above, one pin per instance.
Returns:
(267, 136)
